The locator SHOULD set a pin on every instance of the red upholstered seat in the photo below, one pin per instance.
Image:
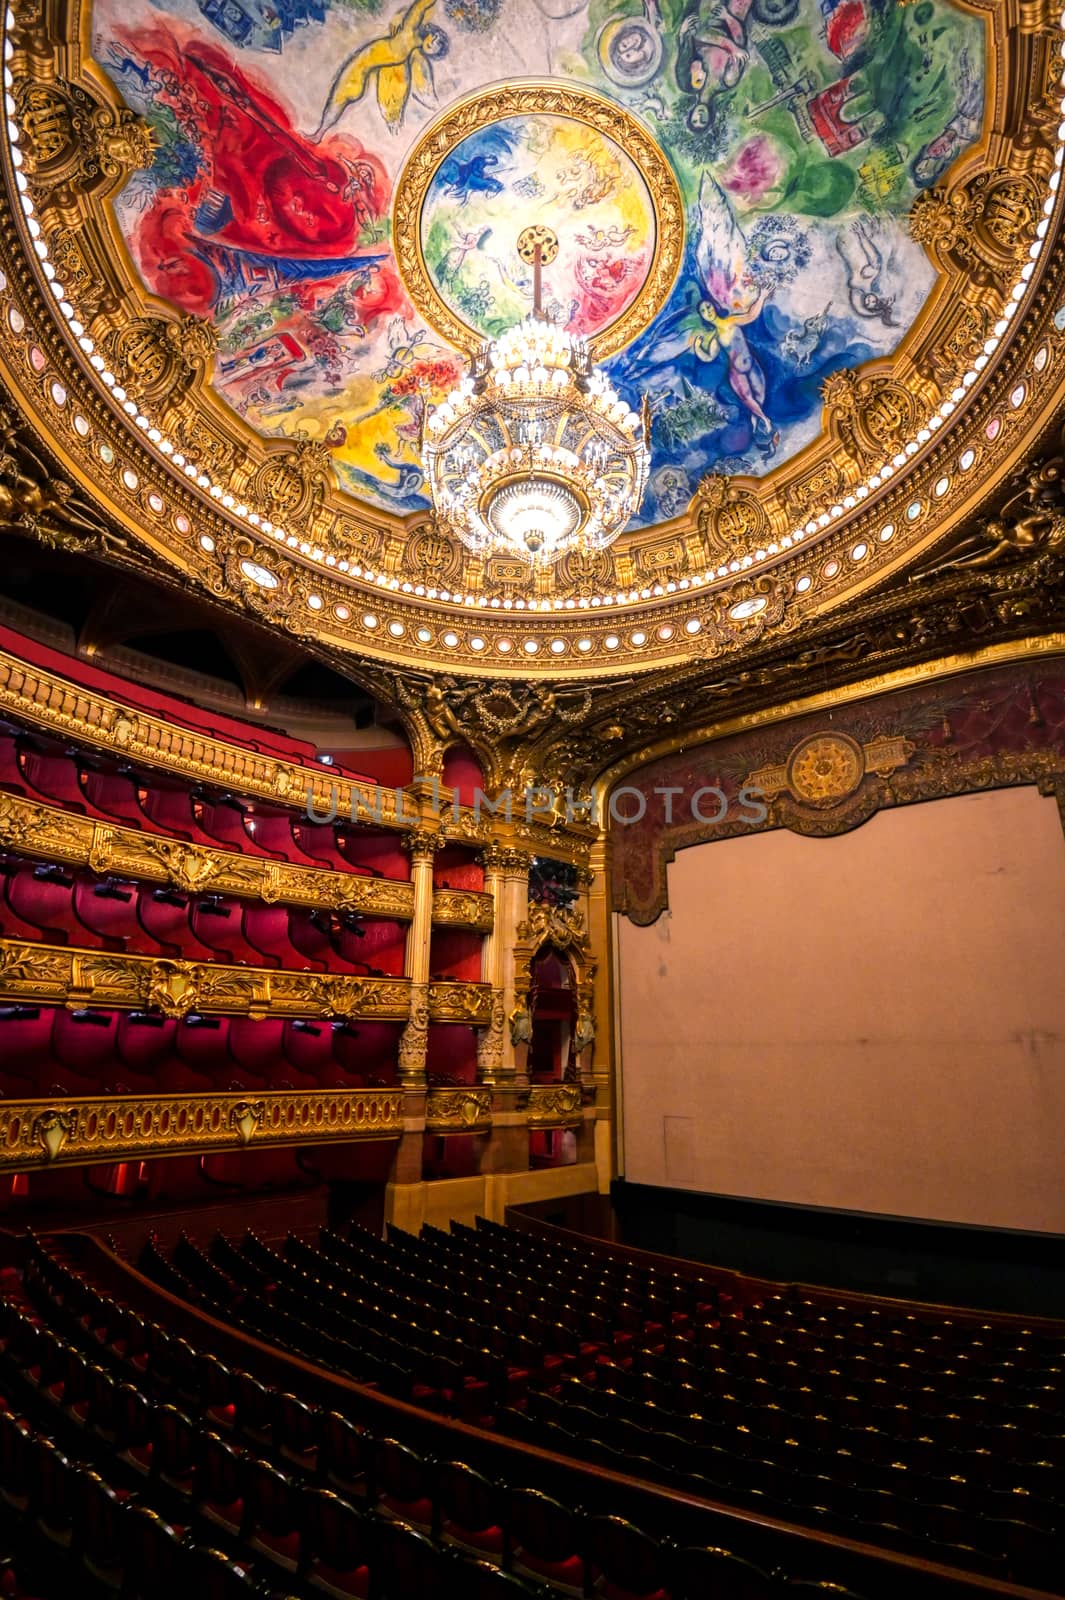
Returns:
(43, 898)
(203, 1045)
(317, 841)
(272, 831)
(272, 1515)
(545, 1540)
(223, 820)
(164, 915)
(113, 793)
(169, 808)
(86, 1042)
(336, 1545)
(11, 777)
(12, 925)
(53, 776)
(266, 930)
(308, 1046)
(108, 911)
(146, 1042)
(313, 935)
(256, 1048)
(218, 923)
(25, 1047)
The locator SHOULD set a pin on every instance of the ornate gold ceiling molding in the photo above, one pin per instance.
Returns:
(532, 97)
(48, 833)
(76, 1132)
(46, 975)
(997, 196)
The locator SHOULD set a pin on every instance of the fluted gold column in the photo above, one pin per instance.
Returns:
(507, 877)
(422, 846)
(604, 1064)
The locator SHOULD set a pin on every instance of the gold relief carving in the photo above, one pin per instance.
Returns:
(338, 996)
(52, 1129)
(490, 1041)
(655, 559)
(71, 139)
(246, 1118)
(431, 557)
(220, 456)
(984, 224)
(80, 977)
(292, 485)
(464, 908)
(47, 833)
(414, 1040)
(823, 485)
(460, 1002)
(825, 768)
(583, 570)
(554, 1105)
(528, 99)
(114, 1127)
(871, 414)
(729, 520)
(562, 926)
(421, 844)
(828, 767)
(963, 335)
(157, 359)
(501, 858)
(461, 1109)
(173, 987)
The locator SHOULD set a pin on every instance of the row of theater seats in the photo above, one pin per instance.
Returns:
(124, 1450)
(114, 793)
(705, 1397)
(47, 1050)
(107, 913)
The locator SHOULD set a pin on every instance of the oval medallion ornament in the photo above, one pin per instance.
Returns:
(825, 768)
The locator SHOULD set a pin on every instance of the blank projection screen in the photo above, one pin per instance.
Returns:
(874, 1021)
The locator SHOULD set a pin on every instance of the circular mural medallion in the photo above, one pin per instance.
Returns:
(825, 768)
(529, 156)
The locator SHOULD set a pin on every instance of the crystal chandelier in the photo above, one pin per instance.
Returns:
(534, 453)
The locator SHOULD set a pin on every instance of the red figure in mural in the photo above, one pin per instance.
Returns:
(265, 189)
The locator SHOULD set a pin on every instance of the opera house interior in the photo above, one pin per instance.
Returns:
(471, 472)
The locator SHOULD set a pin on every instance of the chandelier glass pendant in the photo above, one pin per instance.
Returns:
(534, 453)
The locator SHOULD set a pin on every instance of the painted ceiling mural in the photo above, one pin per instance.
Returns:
(799, 133)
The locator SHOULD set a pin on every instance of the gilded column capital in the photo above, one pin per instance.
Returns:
(421, 844)
(502, 858)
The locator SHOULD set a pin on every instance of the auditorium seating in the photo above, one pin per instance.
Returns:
(134, 1463)
(937, 1436)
